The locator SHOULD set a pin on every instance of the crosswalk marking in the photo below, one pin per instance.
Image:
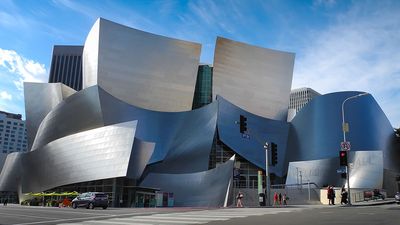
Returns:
(191, 217)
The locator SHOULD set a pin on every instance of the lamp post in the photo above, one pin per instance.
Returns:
(267, 182)
(345, 129)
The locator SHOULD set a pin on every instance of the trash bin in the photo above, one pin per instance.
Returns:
(261, 199)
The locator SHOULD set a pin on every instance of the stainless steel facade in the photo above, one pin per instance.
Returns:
(40, 99)
(139, 68)
(255, 79)
(261, 130)
(367, 171)
(206, 189)
(316, 134)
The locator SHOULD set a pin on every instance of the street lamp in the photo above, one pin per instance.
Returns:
(267, 181)
(345, 128)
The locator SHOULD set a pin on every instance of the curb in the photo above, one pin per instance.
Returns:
(373, 203)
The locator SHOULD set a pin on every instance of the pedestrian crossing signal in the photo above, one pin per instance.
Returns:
(343, 158)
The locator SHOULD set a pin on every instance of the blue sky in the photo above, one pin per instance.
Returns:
(339, 45)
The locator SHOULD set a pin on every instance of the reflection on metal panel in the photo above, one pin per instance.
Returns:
(140, 156)
(11, 172)
(256, 79)
(79, 112)
(90, 155)
(140, 68)
(40, 99)
(322, 172)
(366, 171)
(261, 130)
(206, 189)
(179, 136)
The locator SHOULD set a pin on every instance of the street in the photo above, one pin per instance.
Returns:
(23, 215)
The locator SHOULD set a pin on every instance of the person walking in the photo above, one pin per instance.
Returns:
(285, 198)
(5, 202)
(276, 198)
(239, 198)
(280, 198)
(343, 193)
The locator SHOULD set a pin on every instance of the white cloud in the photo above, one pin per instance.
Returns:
(360, 53)
(22, 69)
(5, 95)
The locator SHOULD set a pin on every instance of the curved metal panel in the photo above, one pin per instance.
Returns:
(179, 137)
(11, 172)
(206, 189)
(140, 68)
(140, 156)
(90, 155)
(316, 131)
(40, 99)
(256, 79)
(321, 171)
(261, 130)
(80, 112)
(367, 171)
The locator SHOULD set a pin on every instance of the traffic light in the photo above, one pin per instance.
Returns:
(274, 154)
(243, 124)
(343, 158)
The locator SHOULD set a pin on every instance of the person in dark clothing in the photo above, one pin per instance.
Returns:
(5, 202)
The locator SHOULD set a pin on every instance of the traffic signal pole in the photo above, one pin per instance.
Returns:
(244, 130)
(267, 181)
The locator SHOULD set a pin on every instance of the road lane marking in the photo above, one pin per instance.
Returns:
(79, 219)
(22, 215)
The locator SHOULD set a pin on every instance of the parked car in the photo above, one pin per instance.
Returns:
(91, 200)
(397, 197)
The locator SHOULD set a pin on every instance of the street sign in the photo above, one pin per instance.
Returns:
(345, 146)
(341, 170)
(345, 127)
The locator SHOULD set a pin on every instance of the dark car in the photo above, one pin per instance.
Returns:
(91, 200)
(397, 197)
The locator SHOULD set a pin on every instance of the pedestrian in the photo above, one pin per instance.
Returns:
(332, 195)
(280, 198)
(276, 198)
(239, 198)
(329, 194)
(285, 198)
(343, 193)
(5, 201)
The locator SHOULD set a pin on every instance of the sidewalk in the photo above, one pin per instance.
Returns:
(375, 202)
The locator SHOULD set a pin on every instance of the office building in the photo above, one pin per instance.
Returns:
(12, 133)
(66, 66)
(300, 97)
(203, 90)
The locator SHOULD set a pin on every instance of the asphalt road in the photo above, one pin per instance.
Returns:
(367, 215)
(310, 215)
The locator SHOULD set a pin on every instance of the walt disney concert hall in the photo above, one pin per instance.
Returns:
(135, 128)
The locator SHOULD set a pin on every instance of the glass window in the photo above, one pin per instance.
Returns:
(8, 122)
